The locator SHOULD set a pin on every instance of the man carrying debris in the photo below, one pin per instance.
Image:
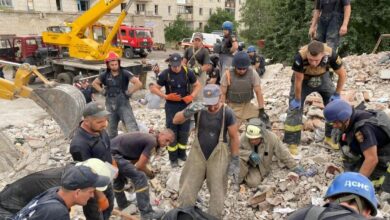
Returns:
(117, 92)
(91, 141)
(238, 85)
(197, 58)
(177, 80)
(311, 65)
(366, 138)
(18, 194)
(209, 156)
(78, 185)
(350, 196)
(132, 152)
(257, 60)
(258, 146)
(330, 21)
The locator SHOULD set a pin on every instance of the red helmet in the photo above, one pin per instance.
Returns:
(111, 56)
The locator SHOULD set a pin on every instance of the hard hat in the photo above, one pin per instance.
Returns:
(111, 56)
(354, 183)
(241, 60)
(254, 128)
(101, 168)
(251, 49)
(337, 110)
(227, 25)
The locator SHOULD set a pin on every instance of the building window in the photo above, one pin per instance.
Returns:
(59, 5)
(30, 5)
(200, 25)
(210, 11)
(200, 11)
(155, 9)
(82, 5)
(123, 6)
(140, 8)
(6, 3)
(169, 9)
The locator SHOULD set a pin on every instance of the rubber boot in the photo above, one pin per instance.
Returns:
(333, 145)
(293, 148)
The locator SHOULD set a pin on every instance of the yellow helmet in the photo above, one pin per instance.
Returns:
(253, 132)
(101, 168)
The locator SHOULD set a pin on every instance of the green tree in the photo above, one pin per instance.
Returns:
(217, 18)
(177, 31)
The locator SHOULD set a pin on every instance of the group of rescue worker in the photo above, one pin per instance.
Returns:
(219, 105)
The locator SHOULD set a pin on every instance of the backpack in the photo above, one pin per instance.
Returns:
(187, 213)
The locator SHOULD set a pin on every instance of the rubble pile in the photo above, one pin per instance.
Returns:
(282, 192)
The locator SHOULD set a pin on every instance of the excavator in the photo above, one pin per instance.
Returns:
(84, 47)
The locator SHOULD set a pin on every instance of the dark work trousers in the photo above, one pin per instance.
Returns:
(181, 131)
(326, 90)
(120, 110)
(328, 29)
(91, 210)
(138, 178)
(5, 214)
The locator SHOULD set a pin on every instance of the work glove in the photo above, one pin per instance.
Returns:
(299, 170)
(264, 117)
(295, 104)
(103, 203)
(234, 171)
(192, 109)
(335, 96)
(254, 159)
(103, 92)
(173, 97)
(187, 99)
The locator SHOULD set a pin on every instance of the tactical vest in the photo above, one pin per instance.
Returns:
(227, 43)
(321, 68)
(240, 89)
(114, 84)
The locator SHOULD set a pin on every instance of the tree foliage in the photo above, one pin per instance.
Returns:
(217, 18)
(177, 30)
(284, 24)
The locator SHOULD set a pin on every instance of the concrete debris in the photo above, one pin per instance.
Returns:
(40, 145)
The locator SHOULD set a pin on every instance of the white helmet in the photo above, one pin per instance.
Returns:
(101, 168)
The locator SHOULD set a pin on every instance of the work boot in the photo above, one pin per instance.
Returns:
(333, 145)
(293, 148)
(183, 157)
(158, 214)
(174, 163)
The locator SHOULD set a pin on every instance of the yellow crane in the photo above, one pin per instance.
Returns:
(84, 47)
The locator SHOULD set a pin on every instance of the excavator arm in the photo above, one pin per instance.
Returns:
(63, 102)
(81, 46)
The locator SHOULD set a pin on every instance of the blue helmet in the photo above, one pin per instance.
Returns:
(251, 49)
(354, 183)
(227, 25)
(337, 110)
(241, 60)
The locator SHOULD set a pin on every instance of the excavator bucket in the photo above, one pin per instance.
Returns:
(64, 103)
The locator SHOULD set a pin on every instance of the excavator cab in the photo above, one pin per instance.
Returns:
(63, 102)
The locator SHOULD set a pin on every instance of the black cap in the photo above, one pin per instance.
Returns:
(81, 177)
(95, 109)
(175, 60)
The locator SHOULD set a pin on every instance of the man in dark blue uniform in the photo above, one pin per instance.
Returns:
(257, 60)
(181, 87)
(116, 89)
(366, 140)
(229, 46)
(330, 21)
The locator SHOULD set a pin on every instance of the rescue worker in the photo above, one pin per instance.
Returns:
(258, 146)
(238, 85)
(349, 196)
(91, 141)
(229, 46)
(330, 21)
(367, 139)
(178, 81)
(214, 73)
(78, 185)
(197, 59)
(311, 74)
(209, 156)
(132, 152)
(16, 195)
(117, 92)
(257, 60)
